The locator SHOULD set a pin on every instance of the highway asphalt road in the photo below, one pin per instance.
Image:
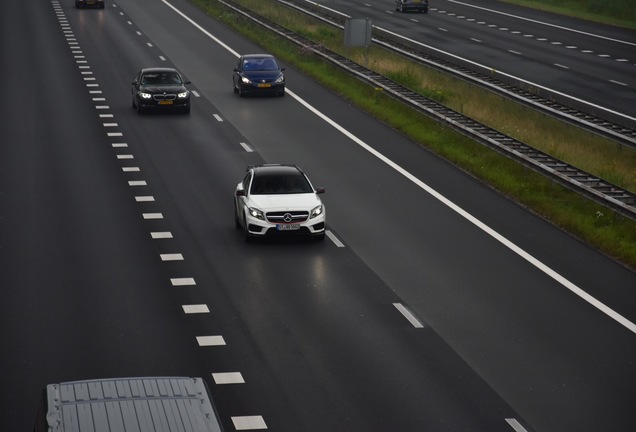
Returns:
(434, 304)
(589, 66)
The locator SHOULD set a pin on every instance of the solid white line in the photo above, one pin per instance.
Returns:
(408, 315)
(469, 217)
(515, 425)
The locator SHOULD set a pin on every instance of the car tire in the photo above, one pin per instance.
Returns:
(140, 110)
(281, 93)
(186, 110)
(240, 92)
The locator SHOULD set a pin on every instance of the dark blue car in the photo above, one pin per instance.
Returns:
(258, 74)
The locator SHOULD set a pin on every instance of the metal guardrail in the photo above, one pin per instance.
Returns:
(601, 191)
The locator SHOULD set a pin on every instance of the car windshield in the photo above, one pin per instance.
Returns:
(268, 184)
(161, 78)
(260, 64)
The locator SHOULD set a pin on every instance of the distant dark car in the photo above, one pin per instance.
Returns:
(92, 3)
(160, 88)
(411, 5)
(258, 74)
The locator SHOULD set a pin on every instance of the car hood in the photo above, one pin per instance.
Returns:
(285, 202)
(262, 75)
(163, 88)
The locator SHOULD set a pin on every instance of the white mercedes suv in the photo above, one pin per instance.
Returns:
(278, 200)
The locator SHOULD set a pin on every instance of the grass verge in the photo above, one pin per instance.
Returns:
(603, 229)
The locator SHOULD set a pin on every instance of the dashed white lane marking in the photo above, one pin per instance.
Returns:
(125, 156)
(408, 315)
(161, 235)
(246, 147)
(171, 257)
(334, 239)
(561, 66)
(137, 183)
(514, 52)
(110, 125)
(211, 340)
(145, 198)
(218, 117)
(119, 145)
(115, 134)
(618, 82)
(131, 169)
(249, 423)
(228, 378)
(152, 215)
(182, 281)
(195, 308)
(515, 425)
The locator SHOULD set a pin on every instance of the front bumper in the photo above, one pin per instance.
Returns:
(311, 227)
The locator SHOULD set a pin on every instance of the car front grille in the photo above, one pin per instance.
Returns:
(287, 216)
(160, 97)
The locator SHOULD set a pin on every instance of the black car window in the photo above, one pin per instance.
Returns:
(274, 184)
(161, 78)
(260, 64)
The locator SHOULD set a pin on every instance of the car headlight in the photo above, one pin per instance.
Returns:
(280, 79)
(182, 95)
(317, 211)
(145, 95)
(256, 213)
(245, 80)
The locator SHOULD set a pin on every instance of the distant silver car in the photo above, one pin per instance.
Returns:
(411, 5)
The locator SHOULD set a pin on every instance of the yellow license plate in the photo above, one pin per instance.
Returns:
(165, 102)
(264, 85)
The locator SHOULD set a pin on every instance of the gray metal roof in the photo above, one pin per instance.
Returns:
(149, 404)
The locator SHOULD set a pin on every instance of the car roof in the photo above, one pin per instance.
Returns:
(275, 169)
(257, 56)
(158, 70)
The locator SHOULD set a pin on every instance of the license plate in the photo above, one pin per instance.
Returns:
(287, 227)
(165, 102)
(264, 85)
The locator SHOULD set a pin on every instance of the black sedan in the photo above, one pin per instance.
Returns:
(160, 88)
(258, 74)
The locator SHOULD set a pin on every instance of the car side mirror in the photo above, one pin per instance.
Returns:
(282, 69)
(135, 82)
(235, 69)
(240, 192)
(320, 190)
